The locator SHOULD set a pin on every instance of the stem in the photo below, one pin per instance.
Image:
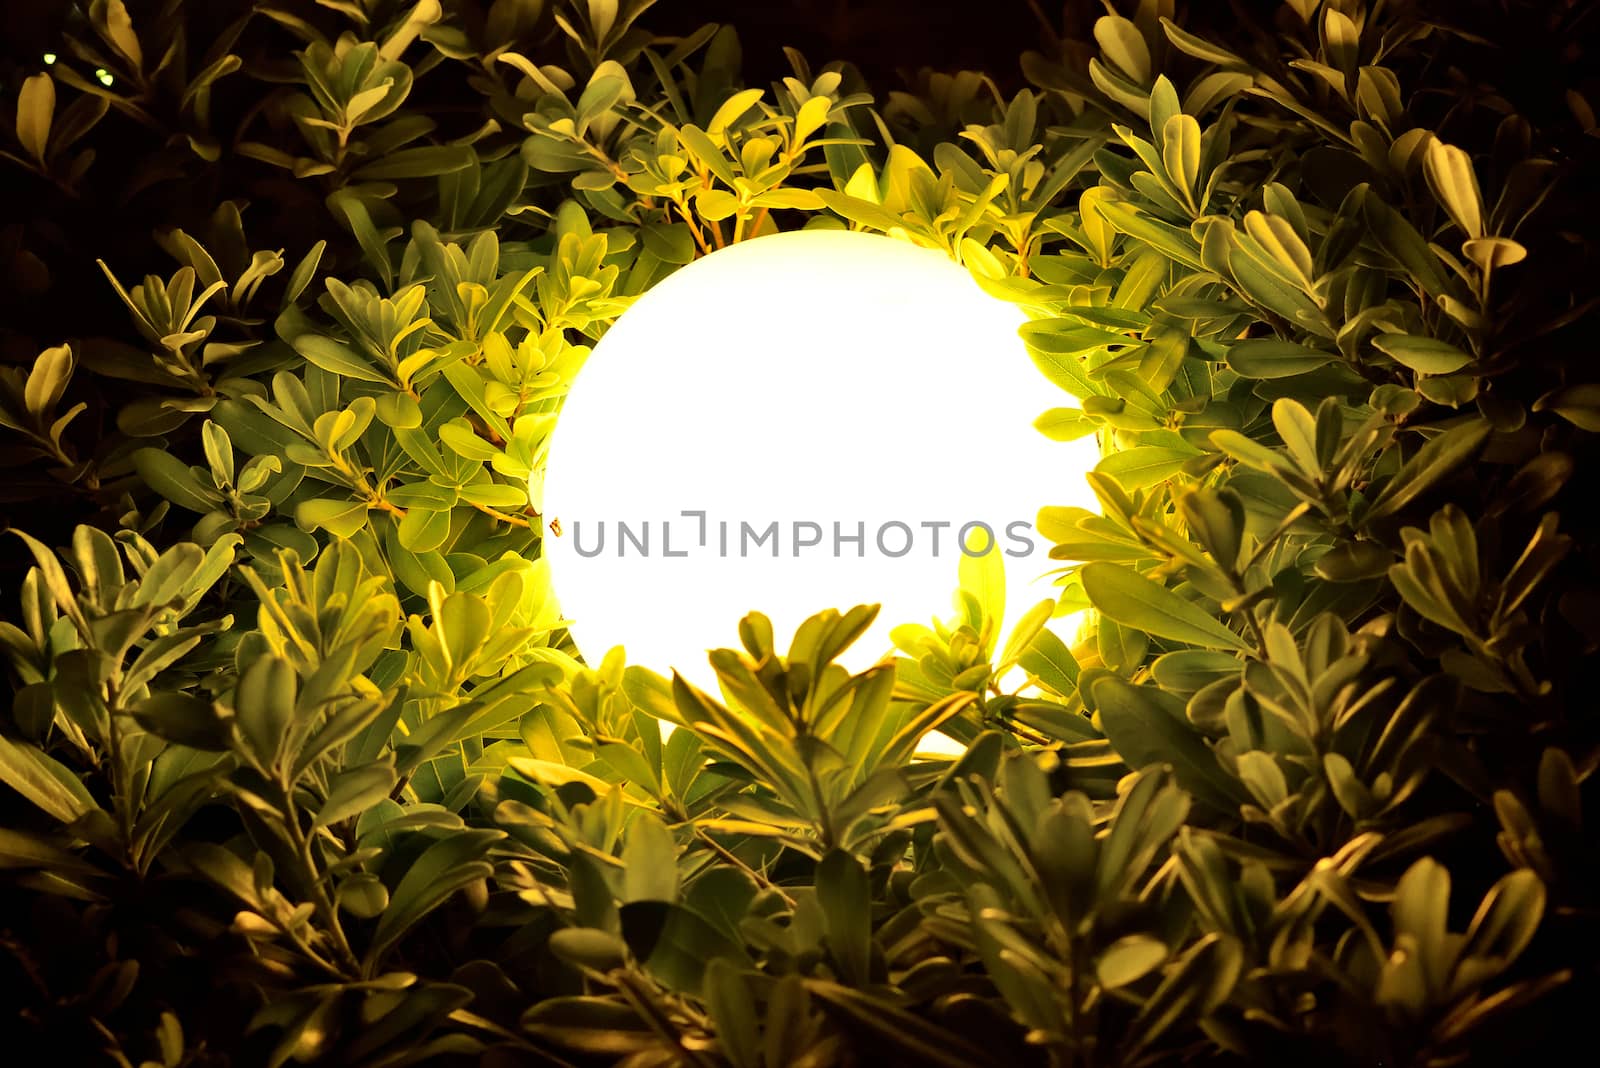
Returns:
(1024, 240)
(610, 164)
(516, 521)
(644, 1002)
(1256, 632)
(1045, 25)
(1027, 734)
(1236, 580)
(319, 893)
(120, 786)
(824, 820)
(1294, 516)
(728, 855)
(757, 221)
(694, 228)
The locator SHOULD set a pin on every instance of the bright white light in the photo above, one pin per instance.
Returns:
(104, 76)
(49, 59)
(812, 377)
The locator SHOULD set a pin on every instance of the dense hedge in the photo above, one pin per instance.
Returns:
(302, 766)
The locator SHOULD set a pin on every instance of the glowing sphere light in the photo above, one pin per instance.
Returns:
(802, 421)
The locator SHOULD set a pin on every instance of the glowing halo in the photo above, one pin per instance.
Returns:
(824, 384)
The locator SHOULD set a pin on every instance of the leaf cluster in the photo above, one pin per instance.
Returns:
(302, 766)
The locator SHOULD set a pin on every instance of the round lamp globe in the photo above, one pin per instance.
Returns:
(807, 420)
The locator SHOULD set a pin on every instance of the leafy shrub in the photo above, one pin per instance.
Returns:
(302, 765)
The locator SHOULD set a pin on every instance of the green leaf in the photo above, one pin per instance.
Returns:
(1491, 253)
(494, 495)
(426, 495)
(1129, 959)
(1354, 561)
(264, 706)
(923, 1042)
(1423, 354)
(1144, 465)
(1050, 661)
(1065, 424)
(1135, 601)
(36, 105)
(1169, 240)
(1438, 458)
(355, 791)
(1198, 47)
(715, 205)
(331, 356)
(1066, 371)
(426, 161)
(1180, 153)
(462, 439)
(675, 943)
(113, 22)
(219, 452)
(1146, 728)
(340, 518)
(649, 861)
(984, 576)
(1062, 337)
(608, 1031)
(669, 242)
(846, 901)
(1401, 240)
(303, 273)
(1191, 670)
(587, 947)
(1123, 649)
(173, 479)
(1249, 452)
(22, 850)
(46, 383)
(1276, 236)
(732, 1007)
(731, 109)
(1507, 920)
(1420, 909)
(45, 781)
(183, 718)
(424, 529)
(446, 866)
(1202, 980)
(399, 410)
(1298, 429)
(1216, 519)
(1124, 47)
(464, 623)
(1272, 358)
(1450, 176)
(1578, 404)
(363, 896)
(630, 766)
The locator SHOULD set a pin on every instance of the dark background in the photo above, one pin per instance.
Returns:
(891, 39)
(886, 39)
(881, 37)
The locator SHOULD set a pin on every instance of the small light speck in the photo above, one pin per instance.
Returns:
(104, 76)
(49, 58)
